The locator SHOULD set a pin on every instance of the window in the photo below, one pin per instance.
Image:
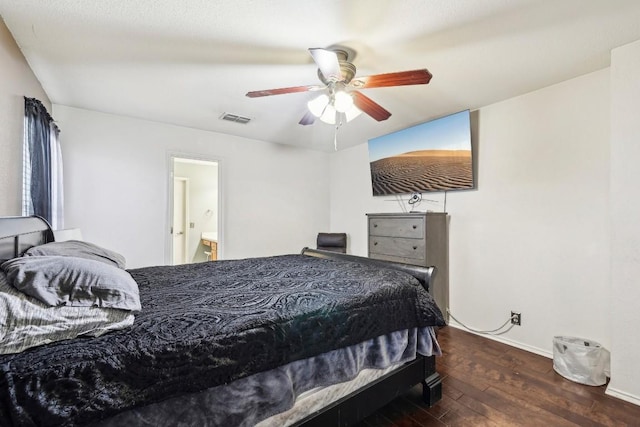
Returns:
(42, 193)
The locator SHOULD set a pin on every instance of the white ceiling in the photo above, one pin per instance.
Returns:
(185, 62)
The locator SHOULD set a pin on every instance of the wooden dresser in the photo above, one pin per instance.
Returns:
(414, 238)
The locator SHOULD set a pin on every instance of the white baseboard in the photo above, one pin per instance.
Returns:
(622, 395)
(506, 341)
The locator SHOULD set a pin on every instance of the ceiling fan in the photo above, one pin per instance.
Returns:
(341, 100)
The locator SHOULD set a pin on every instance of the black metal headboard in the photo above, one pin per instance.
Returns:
(19, 233)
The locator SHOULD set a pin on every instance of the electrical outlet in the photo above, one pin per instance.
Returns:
(516, 318)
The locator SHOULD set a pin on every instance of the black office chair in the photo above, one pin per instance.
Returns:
(335, 242)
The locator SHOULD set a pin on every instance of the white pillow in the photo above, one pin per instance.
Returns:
(26, 322)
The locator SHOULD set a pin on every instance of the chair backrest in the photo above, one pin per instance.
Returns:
(336, 242)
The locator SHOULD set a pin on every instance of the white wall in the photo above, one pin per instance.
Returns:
(274, 198)
(534, 235)
(625, 214)
(17, 81)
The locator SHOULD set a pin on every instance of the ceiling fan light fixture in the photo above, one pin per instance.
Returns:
(352, 113)
(329, 115)
(322, 107)
(342, 101)
(318, 105)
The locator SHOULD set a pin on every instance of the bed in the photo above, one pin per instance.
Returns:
(286, 340)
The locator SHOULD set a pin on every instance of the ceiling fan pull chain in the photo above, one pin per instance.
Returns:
(335, 138)
(339, 123)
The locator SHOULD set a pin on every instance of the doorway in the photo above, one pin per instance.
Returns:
(194, 211)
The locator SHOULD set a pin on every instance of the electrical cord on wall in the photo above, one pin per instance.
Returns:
(414, 199)
(401, 203)
(490, 332)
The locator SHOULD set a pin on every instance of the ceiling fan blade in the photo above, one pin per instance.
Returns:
(402, 78)
(307, 119)
(283, 90)
(370, 107)
(327, 62)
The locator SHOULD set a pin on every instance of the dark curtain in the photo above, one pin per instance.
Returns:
(40, 152)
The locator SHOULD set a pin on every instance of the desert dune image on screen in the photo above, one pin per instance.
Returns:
(432, 156)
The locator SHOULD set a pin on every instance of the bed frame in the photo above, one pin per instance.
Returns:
(17, 234)
(365, 401)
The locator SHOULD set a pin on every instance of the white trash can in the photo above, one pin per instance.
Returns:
(581, 360)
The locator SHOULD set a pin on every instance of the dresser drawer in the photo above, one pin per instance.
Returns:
(416, 238)
(412, 228)
(392, 258)
(398, 247)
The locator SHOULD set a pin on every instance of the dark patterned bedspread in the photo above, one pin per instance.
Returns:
(209, 324)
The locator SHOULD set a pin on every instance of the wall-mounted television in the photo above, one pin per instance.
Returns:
(432, 156)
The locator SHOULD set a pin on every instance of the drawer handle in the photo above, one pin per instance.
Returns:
(415, 226)
(375, 243)
(415, 247)
(375, 225)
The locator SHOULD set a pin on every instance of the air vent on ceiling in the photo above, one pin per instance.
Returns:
(235, 118)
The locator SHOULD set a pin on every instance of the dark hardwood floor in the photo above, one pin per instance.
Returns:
(486, 383)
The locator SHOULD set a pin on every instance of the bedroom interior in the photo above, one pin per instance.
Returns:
(552, 89)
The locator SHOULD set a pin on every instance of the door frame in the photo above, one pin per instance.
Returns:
(170, 157)
(185, 225)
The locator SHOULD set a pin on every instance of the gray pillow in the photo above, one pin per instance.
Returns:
(74, 282)
(79, 249)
